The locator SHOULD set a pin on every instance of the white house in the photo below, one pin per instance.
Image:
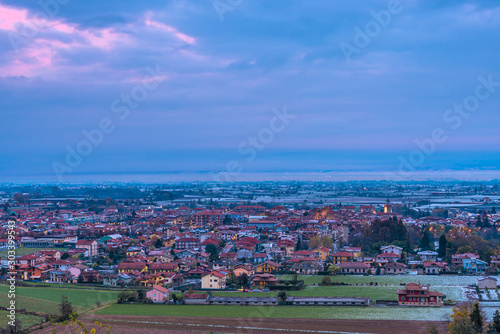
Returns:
(487, 282)
(391, 249)
(428, 255)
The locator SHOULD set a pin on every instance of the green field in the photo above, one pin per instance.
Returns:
(46, 300)
(372, 292)
(26, 320)
(441, 280)
(25, 250)
(303, 312)
(451, 286)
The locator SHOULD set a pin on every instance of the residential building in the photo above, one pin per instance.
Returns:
(419, 295)
(158, 294)
(214, 280)
(354, 268)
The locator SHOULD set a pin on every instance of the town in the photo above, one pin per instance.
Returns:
(266, 244)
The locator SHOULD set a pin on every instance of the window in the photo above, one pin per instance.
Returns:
(403, 298)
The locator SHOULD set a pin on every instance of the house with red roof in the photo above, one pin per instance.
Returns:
(435, 267)
(158, 294)
(388, 257)
(419, 295)
(214, 280)
(353, 268)
(89, 245)
(342, 257)
(301, 254)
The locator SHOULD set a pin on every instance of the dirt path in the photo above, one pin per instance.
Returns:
(155, 324)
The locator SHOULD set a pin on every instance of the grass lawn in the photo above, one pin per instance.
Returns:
(26, 320)
(381, 292)
(26, 250)
(373, 292)
(303, 312)
(46, 300)
(441, 280)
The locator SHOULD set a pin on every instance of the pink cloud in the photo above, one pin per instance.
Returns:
(36, 54)
(9, 17)
(171, 30)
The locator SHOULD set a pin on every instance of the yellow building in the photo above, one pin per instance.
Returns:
(214, 280)
(268, 267)
(321, 253)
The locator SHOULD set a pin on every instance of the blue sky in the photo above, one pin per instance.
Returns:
(217, 77)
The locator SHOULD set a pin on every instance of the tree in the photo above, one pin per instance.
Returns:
(464, 249)
(327, 242)
(494, 326)
(65, 308)
(73, 325)
(297, 245)
(282, 295)
(314, 242)
(126, 296)
(432, 329)
(442, 246)
(479, 223)
(158, 243)
(377, 272)
(227, 221)
(477, 318)
(493, 210)
(326, 280)
(212, 250)
(243, 280)
(333, 269)
(425, 243)
(64, 256)
(460, 319)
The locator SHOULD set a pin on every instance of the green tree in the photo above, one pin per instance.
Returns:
(282, 295)
(477, 318)
(212, 250)
(243, 280)
(326, 280)
(314, 242)
(494, 326)
(333, 269)
(227, 221)
(327, 242)
(64, 256)
(460, 319)
(479, 223)
(425, 243)
(442, 246)
(464, 249)
(65, 308)
(158, 243)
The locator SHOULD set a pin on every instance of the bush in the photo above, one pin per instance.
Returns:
(127, 296)
(326, 281)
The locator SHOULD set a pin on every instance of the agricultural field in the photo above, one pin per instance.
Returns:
(26, 320)
(451, 286)
(441, 280)
(302, 312)
(26, 250)
(372, 292)
(46, 300)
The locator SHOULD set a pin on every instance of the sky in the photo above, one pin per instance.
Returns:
(228, 88)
